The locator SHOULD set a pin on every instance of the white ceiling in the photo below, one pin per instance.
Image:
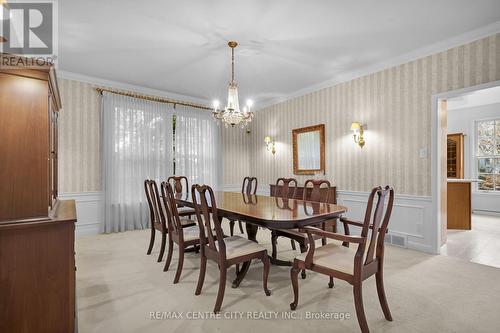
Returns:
(474, 99)
(285, 45)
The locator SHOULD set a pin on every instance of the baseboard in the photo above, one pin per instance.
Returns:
(485, 212)
(89, 211)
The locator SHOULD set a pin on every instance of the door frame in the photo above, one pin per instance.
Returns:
(438, 158)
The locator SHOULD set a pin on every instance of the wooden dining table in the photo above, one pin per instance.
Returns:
(269, 212)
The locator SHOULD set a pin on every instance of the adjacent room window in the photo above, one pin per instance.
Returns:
(488, 154)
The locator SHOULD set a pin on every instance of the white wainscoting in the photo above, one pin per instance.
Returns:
(411, 217)
(89, 211)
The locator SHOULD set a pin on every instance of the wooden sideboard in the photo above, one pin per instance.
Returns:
(332, 195)
(37, 256)
(37, 273)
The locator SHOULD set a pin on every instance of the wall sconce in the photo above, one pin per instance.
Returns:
(270, 144)
(358, 131)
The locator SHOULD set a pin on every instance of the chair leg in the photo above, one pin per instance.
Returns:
(231, 228)
(169, 255)
(179, 264)
(303, 249)
(241, 227)
(222, 288)
(152, 240)
(201, 277)
(274, 240)
(323, 240)
(360, 310)
(267, 263)
(330, 284)
(163, 243)
(379, 278)
(294, 274)
(293, 244)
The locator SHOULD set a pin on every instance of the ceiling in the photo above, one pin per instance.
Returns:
(285, 45)
(474, 99)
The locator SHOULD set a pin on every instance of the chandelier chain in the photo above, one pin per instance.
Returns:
(232, 65)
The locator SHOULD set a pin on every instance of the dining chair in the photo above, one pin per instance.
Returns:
(224, 251)
(157, 217)
(353, 265)
(286, 188)
(181, 231)
(319, 192)
(247, 188)
(180, 184)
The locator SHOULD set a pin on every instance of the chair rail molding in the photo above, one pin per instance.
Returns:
(89, 211)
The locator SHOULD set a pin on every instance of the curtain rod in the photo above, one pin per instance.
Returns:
(153, 98)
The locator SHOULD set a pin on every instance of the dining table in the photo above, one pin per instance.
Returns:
(268, 212)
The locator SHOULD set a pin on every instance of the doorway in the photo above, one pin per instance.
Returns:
(466, 173)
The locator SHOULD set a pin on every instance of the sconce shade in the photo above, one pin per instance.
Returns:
(267, 139)
(355, 126)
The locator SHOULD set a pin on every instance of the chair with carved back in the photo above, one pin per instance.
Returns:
(181, 231)
(249, 187)
(180, 184)
(157, 216)
(224, 251)
(310, 193)
(353, 265)
(286, 188)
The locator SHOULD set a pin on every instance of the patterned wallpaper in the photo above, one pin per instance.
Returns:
(79, 138)
(394, 103)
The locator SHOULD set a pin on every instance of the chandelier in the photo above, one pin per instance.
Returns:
(231, 114)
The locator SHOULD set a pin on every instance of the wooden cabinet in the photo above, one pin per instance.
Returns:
(455, 156)
(29, 104)
(37, 273)
(459, 205)
(37, 265)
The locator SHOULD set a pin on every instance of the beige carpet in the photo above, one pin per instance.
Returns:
(118, 286)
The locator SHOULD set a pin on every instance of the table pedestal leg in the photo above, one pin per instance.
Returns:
(252, 235)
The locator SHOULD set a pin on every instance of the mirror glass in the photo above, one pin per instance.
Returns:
(308, 150)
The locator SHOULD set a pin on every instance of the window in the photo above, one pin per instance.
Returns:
(488, 154)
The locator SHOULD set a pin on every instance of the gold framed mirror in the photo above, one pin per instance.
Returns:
(309, 150)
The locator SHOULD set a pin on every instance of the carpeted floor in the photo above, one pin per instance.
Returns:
(119, 286)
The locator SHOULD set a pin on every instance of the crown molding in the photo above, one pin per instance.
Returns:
(128, 87)
(423, 52)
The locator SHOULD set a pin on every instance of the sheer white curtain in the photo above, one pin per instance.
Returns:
(197, 146)
(137, 144)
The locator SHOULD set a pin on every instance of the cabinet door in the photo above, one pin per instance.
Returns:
(24, 147)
